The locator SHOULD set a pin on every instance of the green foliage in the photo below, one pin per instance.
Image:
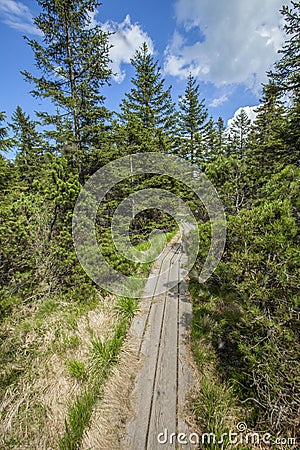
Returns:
(286, 74)
(230, 175)
(147, 111)
(246, 317)
(126, 307)
(268, 149)
(238, 135)
(214, 404)
(287, 79)
(249, 308)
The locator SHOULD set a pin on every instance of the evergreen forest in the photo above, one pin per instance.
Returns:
(245, 327)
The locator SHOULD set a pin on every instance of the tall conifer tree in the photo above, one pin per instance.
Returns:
(267, 139)
(286, 76)
(73, 59)
(193, 124)
(148, 111)
(28, 144)
(238, 134)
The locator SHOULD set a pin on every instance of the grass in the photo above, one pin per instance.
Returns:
(126, 307)
(35, 337)
(103, 355)
(214, 404)
(77, 369)
(79, 414)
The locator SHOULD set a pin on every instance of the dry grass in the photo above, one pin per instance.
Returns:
(111, 414)
(33, 408)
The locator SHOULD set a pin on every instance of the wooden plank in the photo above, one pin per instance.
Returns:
(185, 379)
(138, 428)
(163, 412)
(140, 320)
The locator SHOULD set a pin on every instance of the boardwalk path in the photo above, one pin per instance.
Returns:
(160, 335)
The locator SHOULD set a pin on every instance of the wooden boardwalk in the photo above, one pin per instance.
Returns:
(160, 335)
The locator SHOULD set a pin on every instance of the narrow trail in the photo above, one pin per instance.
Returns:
(159, 332)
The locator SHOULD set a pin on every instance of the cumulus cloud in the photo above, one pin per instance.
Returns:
(249, 110)
(241, 40)
(218, 101)
(18, 16)
(127, 38)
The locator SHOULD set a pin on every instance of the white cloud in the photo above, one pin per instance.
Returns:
(242, 38)
(127, 38)
(18, 16)
(218, 101)
(249, 110)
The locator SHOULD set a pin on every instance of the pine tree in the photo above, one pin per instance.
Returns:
(220, 127)
(268, 150)
(238, 134)
(213, 140)
(148, 111)
(287, 69)
(5, 141)
(286, 76)
(29, 145)
(193, 123)
(73, 59)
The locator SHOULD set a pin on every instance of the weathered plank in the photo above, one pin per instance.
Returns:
(164, 378)
(138, 429)
(164, 403)
(138, 326)
(185, 378)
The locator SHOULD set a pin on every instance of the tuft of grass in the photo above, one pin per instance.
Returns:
(47, 307)
(213, 407)
(77, 369)
(79, 414)
(104, 354)
(126, 307)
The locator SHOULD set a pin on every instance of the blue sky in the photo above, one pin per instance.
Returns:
(227, 45)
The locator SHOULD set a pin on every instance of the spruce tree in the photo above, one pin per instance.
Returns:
(28, 144)
(238, 134)
(73, 59)
(193, 126)
(268, 150)
(287, 70)
(286, 76)
(213, 138)
(5, 141)
(147, 111)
